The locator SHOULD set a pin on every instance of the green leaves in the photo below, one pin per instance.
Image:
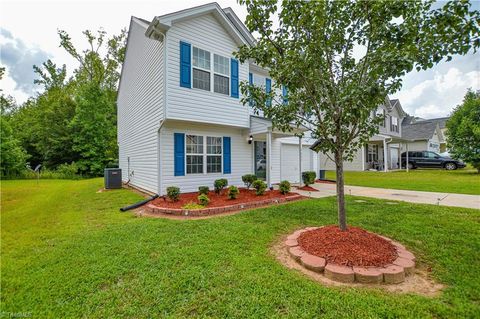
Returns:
(463, 130)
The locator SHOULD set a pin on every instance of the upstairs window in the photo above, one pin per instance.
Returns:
(381, 112)
(394, 124)
(201, 69)
(221, 70)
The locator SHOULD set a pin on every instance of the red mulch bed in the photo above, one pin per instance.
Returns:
(324, 181)
(219, 200)
(354, 247)
(308, 189)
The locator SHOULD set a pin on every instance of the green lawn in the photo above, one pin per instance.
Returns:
(463, 181)
(68, 252)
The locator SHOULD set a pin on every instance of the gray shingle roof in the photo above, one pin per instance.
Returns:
(418, 131)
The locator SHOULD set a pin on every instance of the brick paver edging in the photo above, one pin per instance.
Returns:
(395, 273)
(218, 210)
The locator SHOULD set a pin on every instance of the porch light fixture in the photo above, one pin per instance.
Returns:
(250, 139)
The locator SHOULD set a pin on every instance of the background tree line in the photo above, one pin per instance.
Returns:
(71, 126)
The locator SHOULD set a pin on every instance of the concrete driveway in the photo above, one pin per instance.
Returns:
(442, 199)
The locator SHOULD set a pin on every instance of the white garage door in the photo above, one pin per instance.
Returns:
(289, 162)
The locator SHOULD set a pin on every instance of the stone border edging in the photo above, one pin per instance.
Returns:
(151, 208)
(394, 273)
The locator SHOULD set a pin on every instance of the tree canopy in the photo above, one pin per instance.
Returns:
(463, 130)
(337, 61)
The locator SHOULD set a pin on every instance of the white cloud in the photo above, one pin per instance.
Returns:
(438, 96)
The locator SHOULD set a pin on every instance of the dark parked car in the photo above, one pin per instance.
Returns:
(431, 160)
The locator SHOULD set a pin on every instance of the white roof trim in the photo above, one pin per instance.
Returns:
(164, 22)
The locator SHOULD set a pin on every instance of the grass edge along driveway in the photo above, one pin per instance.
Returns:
(68, 252)
(461, 181)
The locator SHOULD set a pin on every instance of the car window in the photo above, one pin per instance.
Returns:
(430, 154)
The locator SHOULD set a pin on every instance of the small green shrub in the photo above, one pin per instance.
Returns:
(68, 171)
(192, 206)
(173, 193)
(284, 187)
(260, 187)
(203, 199)
(203, 190)
(220, 184)
(309, 177)
(233, 192)
(248, 179)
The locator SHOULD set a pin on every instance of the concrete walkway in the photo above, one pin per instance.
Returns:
(442, 199)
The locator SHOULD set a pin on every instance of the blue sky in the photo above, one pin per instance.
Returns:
(28, 36)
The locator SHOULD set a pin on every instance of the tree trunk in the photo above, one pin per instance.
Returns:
(342, 218)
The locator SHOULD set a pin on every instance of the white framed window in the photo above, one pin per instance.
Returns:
(201, 69)
(372, 153)
(214, 154)
(394, 124)
(381, 112)
(221, 77)
(194, 154)
(203, 154)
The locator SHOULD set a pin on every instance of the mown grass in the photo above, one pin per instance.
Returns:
(67, 252)
(462, 181)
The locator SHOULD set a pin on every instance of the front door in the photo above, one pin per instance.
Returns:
(260, 158)
(393, 158)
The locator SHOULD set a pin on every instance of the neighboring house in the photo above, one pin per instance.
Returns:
(424, 134)
(383, 150)
(180, 119)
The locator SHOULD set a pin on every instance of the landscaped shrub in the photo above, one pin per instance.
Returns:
(203, 190)
(309, 177)
(233, 192)
(192, 205)
(259, 186)
(203, 199)
(220, 184)
(284, 187)
(248, 179)
(173, 193)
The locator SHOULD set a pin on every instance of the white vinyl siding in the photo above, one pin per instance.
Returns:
(140, 108)
(241, 156)
(197, 105)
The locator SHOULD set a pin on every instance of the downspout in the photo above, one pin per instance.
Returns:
(159, 160)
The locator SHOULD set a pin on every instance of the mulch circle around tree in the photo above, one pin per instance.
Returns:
(353, 247)
(354, 255)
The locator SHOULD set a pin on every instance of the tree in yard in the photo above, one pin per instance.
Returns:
(94, 123)
(337, 61)
(463, 130)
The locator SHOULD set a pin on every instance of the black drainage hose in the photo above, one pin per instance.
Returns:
(138, 204)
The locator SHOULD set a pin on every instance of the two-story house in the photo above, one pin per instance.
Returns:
(180, 119)
(383, 150)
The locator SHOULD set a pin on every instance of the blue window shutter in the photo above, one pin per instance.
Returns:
(227, 161)
(268, 88)
(234, 77)
(284, 94)
(250, 81)
(185, 65)
(179, 154)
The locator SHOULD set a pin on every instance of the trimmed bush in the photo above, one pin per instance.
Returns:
(203, 190)
(309, 177)
(192, 206)
(233, 192)
(248, 180)
(260, 187)
(203, 199)
(173, 193)
(220, 184)
(284, 187)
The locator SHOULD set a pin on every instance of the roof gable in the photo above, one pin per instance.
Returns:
(161, 24)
